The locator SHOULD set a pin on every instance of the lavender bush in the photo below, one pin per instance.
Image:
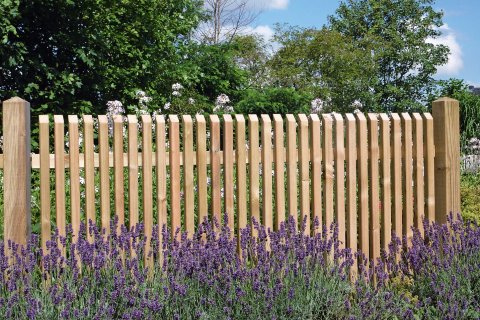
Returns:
(277, 275)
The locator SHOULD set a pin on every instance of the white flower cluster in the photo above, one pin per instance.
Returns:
(357, 104)
(221, 104)
(317, 105)
(474, 144)
(177, 87)
(191, 101)
(142, 97)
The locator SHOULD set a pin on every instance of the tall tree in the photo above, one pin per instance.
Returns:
(325, 63)
(68, 56)
(399, 30)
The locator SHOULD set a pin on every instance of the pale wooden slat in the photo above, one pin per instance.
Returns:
(228, 161)
(104, 172)
(147, 184)
(429, 172)
(254, 156)
(175, 209)
(304, 163)
(351, 173)
(279, 158)
(328, 168)
(59, 134)
(292, 167)
(386, 187)
(374, 157)
(339, 156)
(397, 174)
(419, 203)
(73, 146)
(241, 159)
(267, 210)
(118, 170)
(363, 207)
(316, 158)
(188, 157)
(216, 168)
(201, 156)
(44, 180)
(408, 175)
(89, 170)
(161, 158)
(132, 170)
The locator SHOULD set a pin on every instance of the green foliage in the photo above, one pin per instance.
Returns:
(273, 100)
(327, 64)
(73, 56)
(469, 106)
(397, 31)
(470, 197)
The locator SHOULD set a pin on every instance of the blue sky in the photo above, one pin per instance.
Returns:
(461, 30)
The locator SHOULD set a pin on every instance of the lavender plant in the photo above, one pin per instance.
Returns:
(282, 274)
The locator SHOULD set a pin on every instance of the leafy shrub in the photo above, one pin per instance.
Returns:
(273, 100)
(470, 197)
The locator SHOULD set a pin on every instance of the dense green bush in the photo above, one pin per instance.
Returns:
(273, 100)
(470, 196)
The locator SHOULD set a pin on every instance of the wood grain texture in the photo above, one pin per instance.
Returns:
(74, 160)
(188, 158)
(201, 155)
(216, 156)
(292, 167)
(147, 185)
(89, 171)
(397, 174)
(241, 159)
(228, 160)
(104, 169)
(339, 157)
(328, 168)
(174, 139)
(279, 158)
(267, 191)
(133, 170)
(161, 159)
(17, 177)
(362, 169)
(386, 181)
(407, 145)
(118, 170)
(351, 184)
(44, 180)
(374, 190)
(429, 151)
(446, 121)
(316, 171)
(304, 163)
(254, 160)
(419, 190)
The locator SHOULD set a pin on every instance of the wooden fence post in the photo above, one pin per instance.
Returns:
(17, 171)
(446, 114)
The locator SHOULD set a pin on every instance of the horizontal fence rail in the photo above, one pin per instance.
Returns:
(374, 175)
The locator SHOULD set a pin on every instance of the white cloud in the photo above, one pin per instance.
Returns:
(264, 31)
(455, 58)
(269, 4)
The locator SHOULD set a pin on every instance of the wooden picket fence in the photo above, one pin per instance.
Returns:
(372, 174)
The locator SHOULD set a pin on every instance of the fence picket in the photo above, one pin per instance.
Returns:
(316, 158)
(429, 150)
(328, 168)
(279, 156)
(44, 180)
(254, 159)
(386, 186)
(351, 173)
(202, 168)
(104, 172)
(304, 163)
(174, 149)
(215, 158)
(89, 170)
(340, 177)
(147, 181)
(161, 162)
(374, 189)
(188, 158)
(408, 175)
(118, 170)
(363, 205)
(74, 159)
(228, 170)
(241, 159)
(59, 132)
(397, 174)
(292, 166)
(267, 212)
(419, 203)
(132, 170)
